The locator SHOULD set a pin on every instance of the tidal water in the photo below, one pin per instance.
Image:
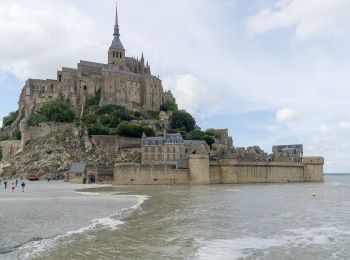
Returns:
(265, 221)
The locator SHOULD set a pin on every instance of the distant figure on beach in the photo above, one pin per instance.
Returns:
(23, 185)
(5, 184)
(16, 182)
(13, 186)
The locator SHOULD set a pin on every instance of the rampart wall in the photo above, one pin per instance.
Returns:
(233, 172)
(149, 174)
(44, 129)
(111, 144)
(220, 172)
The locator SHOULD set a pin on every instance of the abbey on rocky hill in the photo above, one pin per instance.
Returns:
(123, 81)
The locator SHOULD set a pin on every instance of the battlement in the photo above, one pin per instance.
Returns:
(313, 160)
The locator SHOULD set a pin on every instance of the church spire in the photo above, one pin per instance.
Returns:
(116, 44)
(116, 25)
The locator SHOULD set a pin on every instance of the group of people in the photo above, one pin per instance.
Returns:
(14, 184)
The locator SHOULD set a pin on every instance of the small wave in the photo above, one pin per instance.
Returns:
(234, 190)
(35, 247)
(339, 184)
(244, 247)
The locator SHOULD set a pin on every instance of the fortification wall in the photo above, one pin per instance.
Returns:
(112, 144)
(44, 129)
(149, 174)
(233, 172)
(313, 170)
(9, 148)
(199, 169)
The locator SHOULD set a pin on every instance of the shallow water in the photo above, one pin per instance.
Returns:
(267, 221)
(49, 209)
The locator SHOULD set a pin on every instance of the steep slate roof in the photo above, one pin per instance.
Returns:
(77, 167)
(168, 139)
(94, 64)
(193, 145)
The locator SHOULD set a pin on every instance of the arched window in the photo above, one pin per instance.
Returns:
(113, 54)
(84, 87)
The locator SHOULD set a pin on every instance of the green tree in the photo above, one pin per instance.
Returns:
(36, 119)
(8, 120)
(169, 106)
(58, 110)
(182, 119)
(199, 135)
(214, 132)
(0, 154)
(133, 130)
(209, 139)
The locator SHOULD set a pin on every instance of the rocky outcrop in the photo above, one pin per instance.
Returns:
(52, 155)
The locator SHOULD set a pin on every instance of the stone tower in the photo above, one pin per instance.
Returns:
(116, 53)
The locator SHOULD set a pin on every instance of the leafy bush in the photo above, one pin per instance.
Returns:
(16, 135)
(8, 120)
(4, 137)
(169, 106)
(182, 119)
(89, 119)
(153, 115)
(94, 101)
(199, 135)
(137, 114)
(36, 119)
(133, 130)
(109, 109)
(58, 110)
(213, 132)
(98, 129)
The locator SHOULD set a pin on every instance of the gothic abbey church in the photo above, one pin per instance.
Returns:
(124, 81)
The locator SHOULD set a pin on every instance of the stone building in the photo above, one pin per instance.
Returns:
(123, 81)
(286, 153)
(77, 173)
(169, 149)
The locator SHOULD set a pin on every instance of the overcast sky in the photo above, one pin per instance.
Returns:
(272, 71)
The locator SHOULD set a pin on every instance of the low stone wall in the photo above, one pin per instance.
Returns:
(113, 144)
(149, 174)
(9, 148)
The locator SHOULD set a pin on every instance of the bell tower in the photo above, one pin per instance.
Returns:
(116, 52)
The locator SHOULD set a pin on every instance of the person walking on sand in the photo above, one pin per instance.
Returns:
(13, 186)
(23, 185)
